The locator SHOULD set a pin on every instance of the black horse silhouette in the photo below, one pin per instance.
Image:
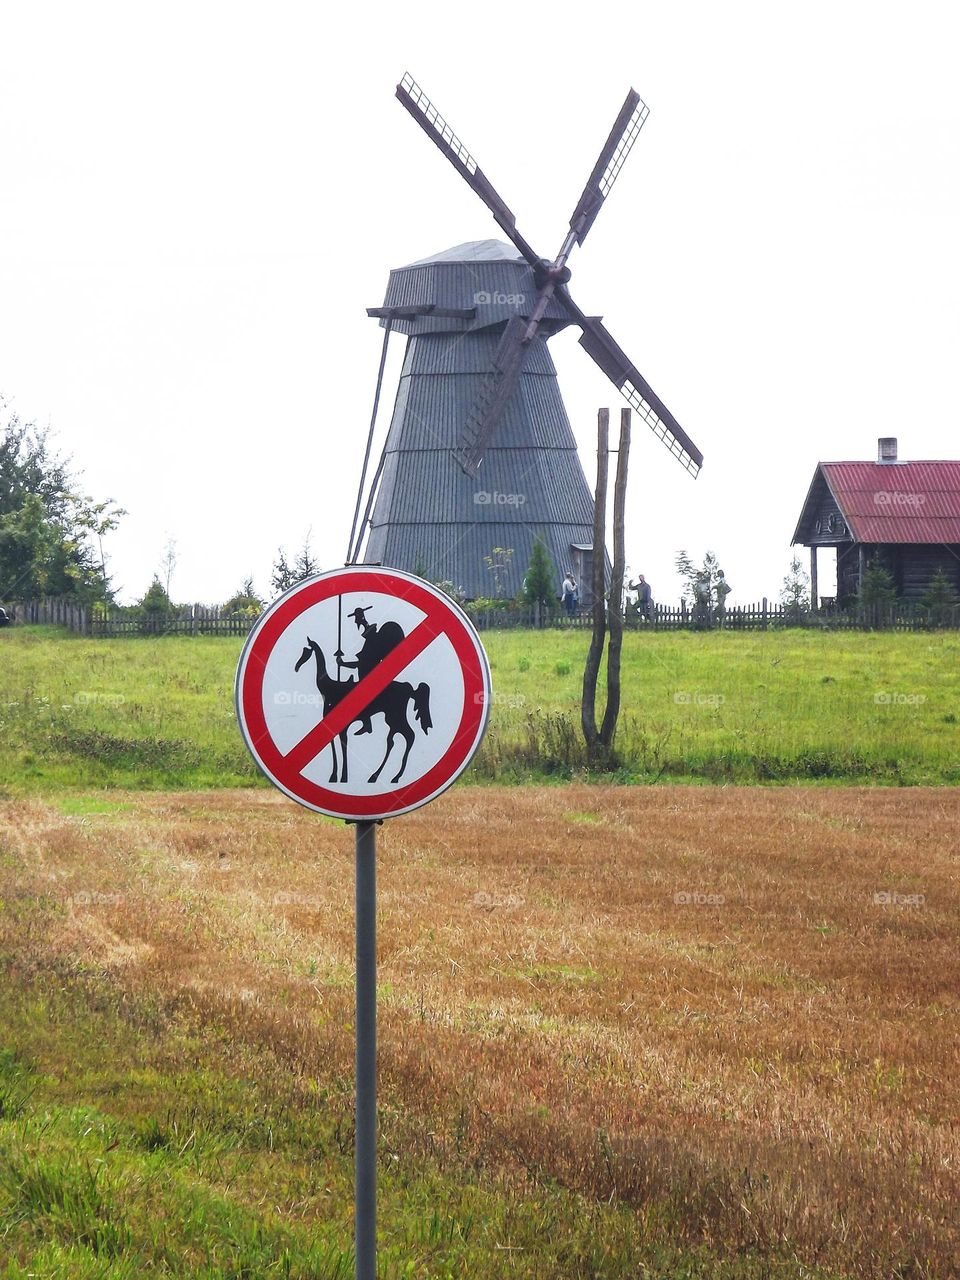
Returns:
(392, 702)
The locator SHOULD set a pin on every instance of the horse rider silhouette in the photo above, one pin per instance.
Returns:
(377, 643)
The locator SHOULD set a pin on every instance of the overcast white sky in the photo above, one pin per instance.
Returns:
(198, 202)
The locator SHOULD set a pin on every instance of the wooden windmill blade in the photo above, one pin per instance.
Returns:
(498, 388)
(430, 120)
(615, 150)
(600, 345)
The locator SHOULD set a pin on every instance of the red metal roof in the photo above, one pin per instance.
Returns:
(897, 501)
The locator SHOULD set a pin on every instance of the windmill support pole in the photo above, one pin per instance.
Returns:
(371, 496)
(591, 670)
(354, 548)
(814, 597)
(615, 606)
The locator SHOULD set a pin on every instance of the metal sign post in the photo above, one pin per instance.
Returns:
(365, 1227)
(421, 699)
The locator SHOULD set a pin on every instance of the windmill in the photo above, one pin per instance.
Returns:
(480, 454)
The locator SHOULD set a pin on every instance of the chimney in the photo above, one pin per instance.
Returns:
(887, 449)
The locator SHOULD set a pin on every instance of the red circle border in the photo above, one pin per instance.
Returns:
(467, 647)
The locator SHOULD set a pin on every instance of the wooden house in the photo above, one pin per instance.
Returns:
(906, 515)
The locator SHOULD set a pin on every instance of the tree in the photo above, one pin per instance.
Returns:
(168, 563)
(607, 610)
(540, 580)
(877, 589)
(154, 607)
(795, 592)
(281, 576)
(306, 566)
(940, 598)
(689, 574)
(705, 588)
(28, 544)
(709, 573)
(50, 533)
(245, 600)
(285, 575)
(155, 598)
(99, 519)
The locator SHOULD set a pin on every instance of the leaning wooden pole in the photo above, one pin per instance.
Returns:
(591, 670)
(615, 600)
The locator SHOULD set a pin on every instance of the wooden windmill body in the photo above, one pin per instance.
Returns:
(433, 516)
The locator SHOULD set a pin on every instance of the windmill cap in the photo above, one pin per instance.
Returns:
(473, 251)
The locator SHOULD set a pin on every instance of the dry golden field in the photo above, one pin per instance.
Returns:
(734, 1010)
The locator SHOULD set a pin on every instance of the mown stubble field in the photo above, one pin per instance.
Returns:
(715, 1021)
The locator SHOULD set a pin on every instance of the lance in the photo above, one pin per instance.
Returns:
(339, 634)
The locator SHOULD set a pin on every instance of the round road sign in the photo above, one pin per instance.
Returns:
(363, 693)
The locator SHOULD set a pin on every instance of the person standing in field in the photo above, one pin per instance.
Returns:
(569, 593)
(644, 597)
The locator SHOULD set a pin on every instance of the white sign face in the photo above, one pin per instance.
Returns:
(363, 693)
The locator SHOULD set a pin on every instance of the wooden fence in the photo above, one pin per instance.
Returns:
(51, 612)
(201, 620)
(92, 620)
(761, 616)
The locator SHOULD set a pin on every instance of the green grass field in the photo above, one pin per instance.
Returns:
(742, 707)
(175, 1067)
(138, 1139)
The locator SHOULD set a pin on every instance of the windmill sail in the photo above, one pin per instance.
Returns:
(598, 342)
(496, 393)
(481, 420)
(439, 132)
(623, 135)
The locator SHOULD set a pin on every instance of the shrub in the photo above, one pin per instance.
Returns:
(245, 602)
(155, 608)
(539, 582)
(483, 604)
(940, 599)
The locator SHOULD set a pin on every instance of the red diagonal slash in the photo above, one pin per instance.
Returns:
(361, 695)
